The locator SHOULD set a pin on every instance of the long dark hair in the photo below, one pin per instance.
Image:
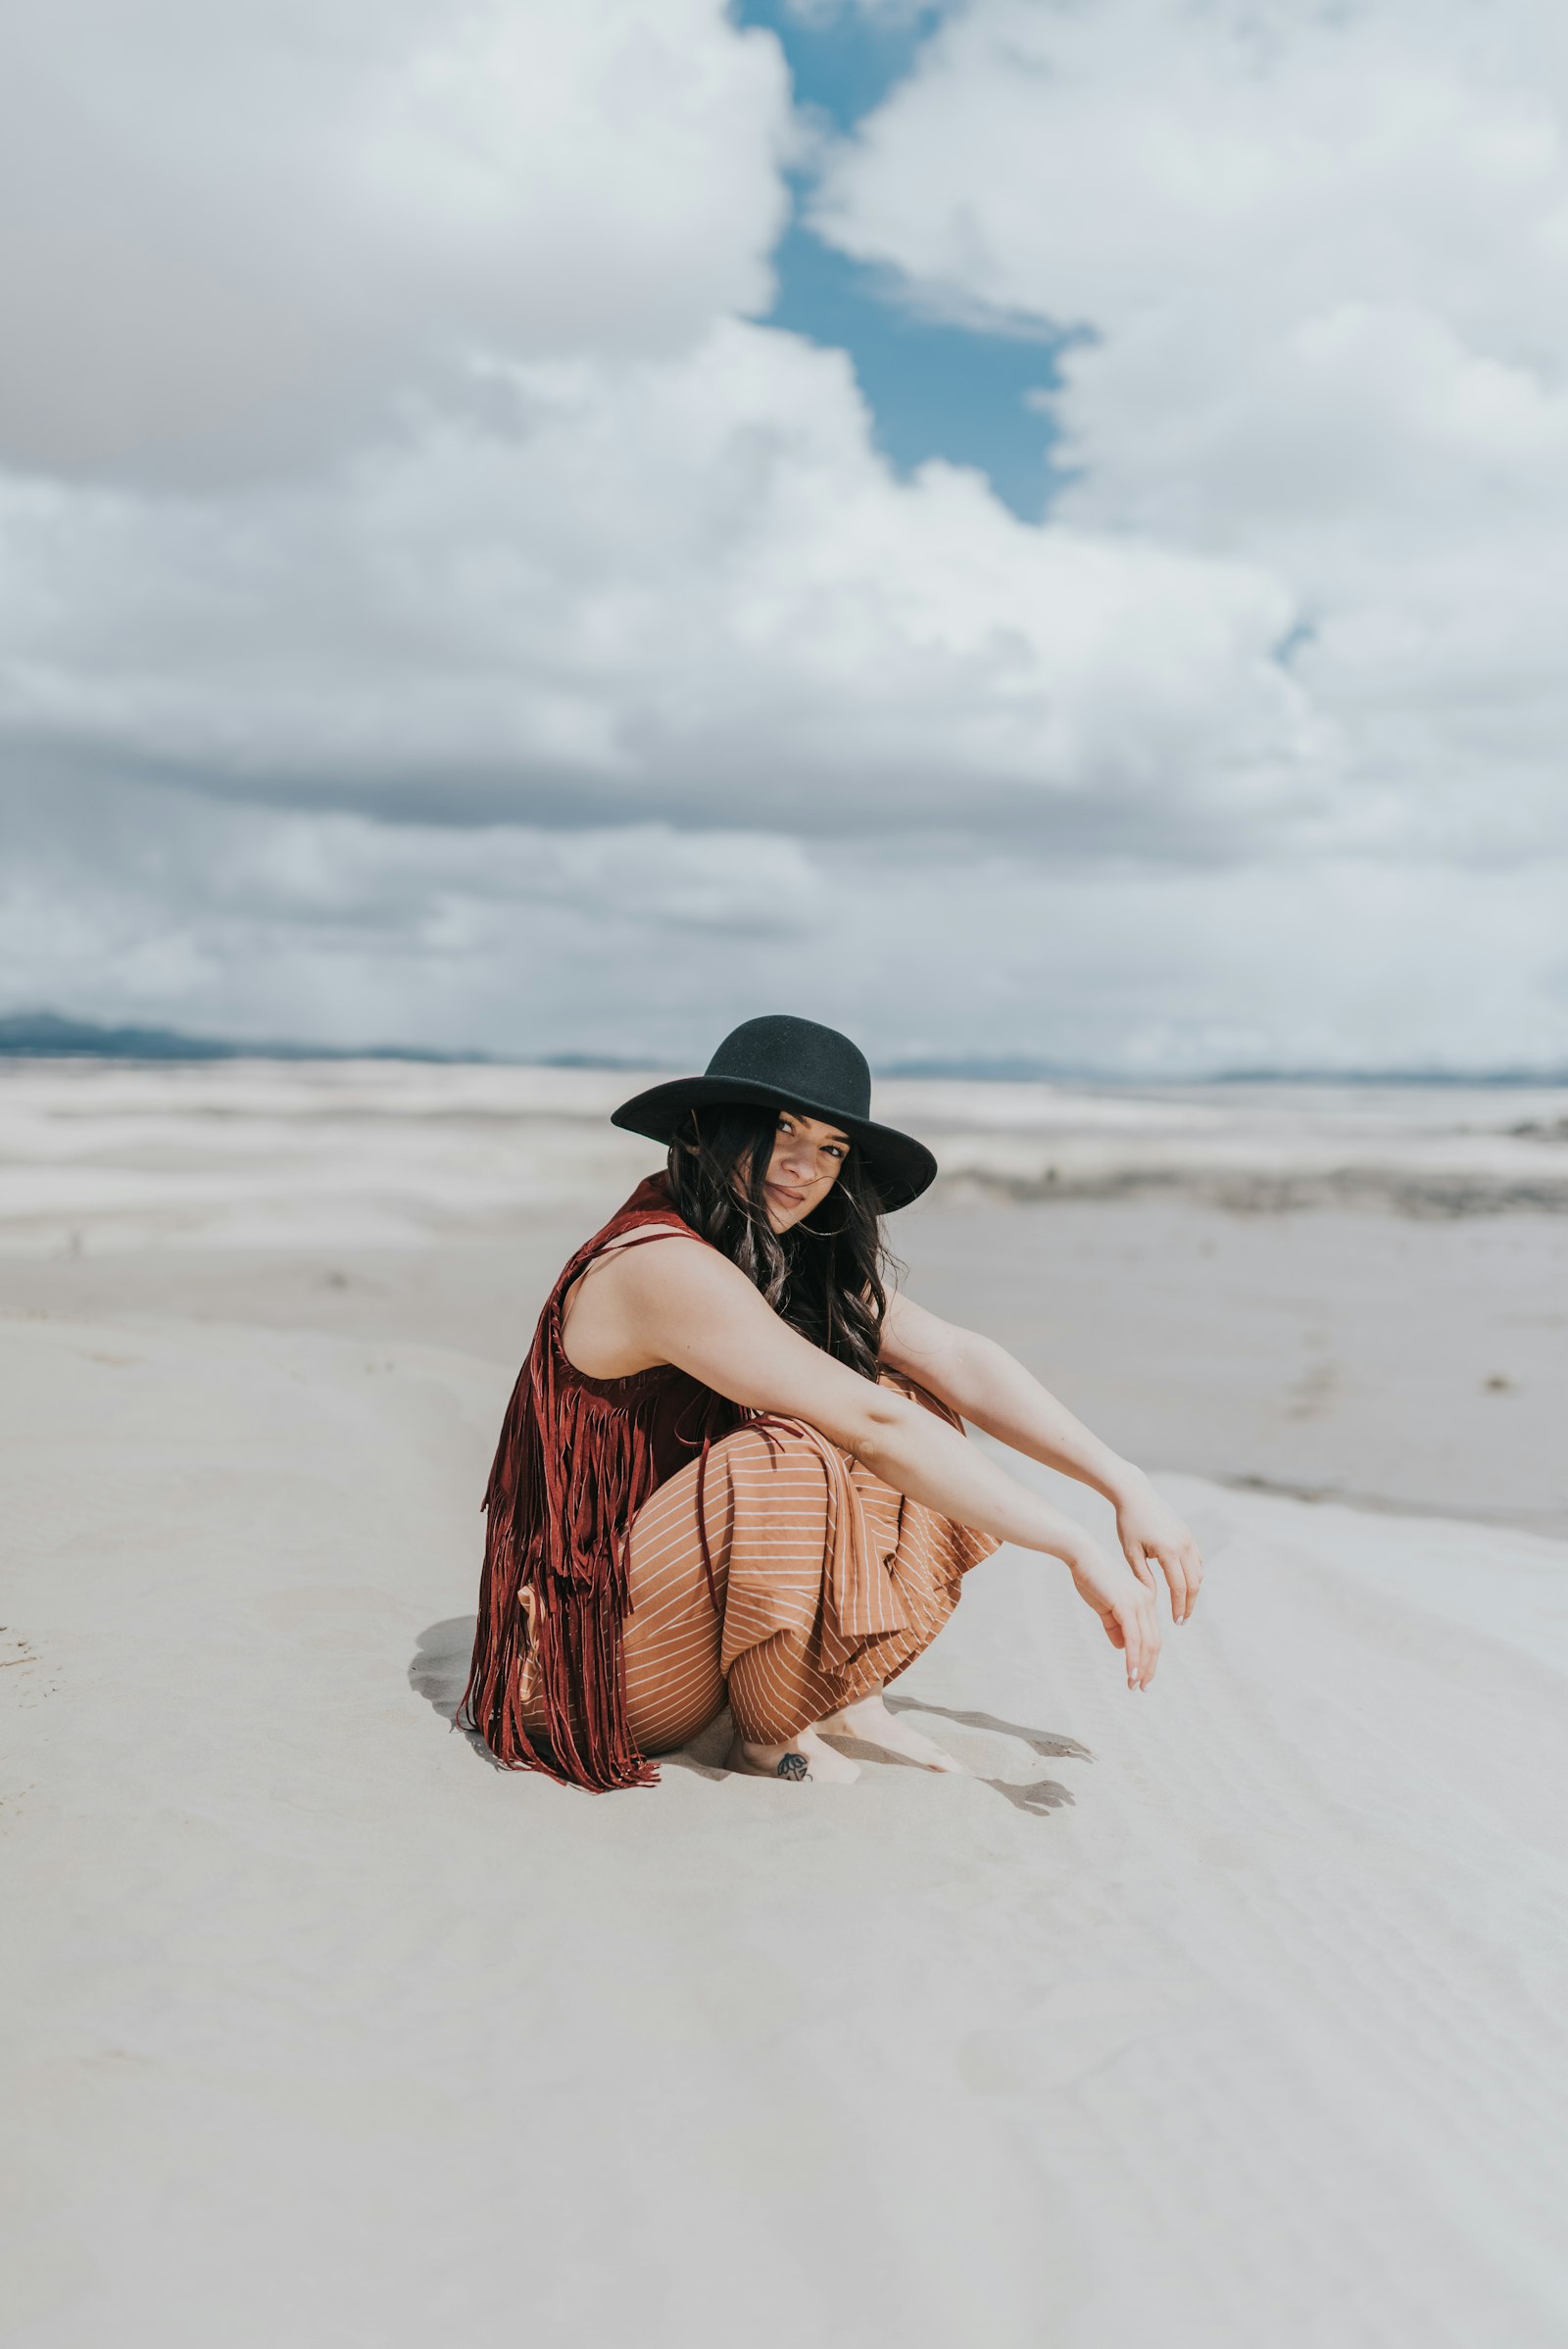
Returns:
(824, 1275)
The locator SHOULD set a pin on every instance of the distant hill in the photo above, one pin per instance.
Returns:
(1004, 1069)
(46, 1036)
(1018, 1070)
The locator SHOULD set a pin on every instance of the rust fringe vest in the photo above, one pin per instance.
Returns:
(577, 1458)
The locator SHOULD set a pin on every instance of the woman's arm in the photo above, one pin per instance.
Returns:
(984, 1384)
(683, 1303)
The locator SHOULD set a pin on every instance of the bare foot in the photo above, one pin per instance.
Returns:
(804, 1756)
(870, 1721)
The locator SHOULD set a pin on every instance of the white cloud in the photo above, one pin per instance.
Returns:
(681, 587)
(130, 901)
(232, 237)
(1321, 257)
(648, 940)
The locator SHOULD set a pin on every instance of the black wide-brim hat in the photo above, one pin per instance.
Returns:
(792, 1064)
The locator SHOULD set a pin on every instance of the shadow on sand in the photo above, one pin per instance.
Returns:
(439, 1671)
(1052, 1743)
(1042, 1794)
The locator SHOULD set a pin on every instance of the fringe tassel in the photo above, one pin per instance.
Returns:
(572, 1470)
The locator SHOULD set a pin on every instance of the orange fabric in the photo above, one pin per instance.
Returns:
(829, 1584)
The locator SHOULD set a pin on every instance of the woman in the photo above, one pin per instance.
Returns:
(734, 1467)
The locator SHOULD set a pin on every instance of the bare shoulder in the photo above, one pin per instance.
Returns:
(679, 1265)
(631, 1244)
(679, 1302)
(630, 1266)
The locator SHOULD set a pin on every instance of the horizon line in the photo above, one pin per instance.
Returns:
(39, 1034)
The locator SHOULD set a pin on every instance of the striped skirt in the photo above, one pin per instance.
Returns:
(825, 1583)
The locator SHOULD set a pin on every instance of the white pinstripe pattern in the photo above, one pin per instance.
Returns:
(829, 1584)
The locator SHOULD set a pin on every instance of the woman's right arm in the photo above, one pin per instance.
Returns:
(685, 1304)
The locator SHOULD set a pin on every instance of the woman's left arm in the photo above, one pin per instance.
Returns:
(984, 1384)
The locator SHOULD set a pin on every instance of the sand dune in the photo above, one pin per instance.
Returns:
(1230, 2014)
(1255, 1283)
(287, 1155)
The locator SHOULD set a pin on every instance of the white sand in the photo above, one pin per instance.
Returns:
(1355, 1295)
(261, 1154)
(1229, 2014)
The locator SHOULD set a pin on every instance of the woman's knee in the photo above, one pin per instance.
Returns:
(786, 1449)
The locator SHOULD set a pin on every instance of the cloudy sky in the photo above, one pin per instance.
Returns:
(1027, 527)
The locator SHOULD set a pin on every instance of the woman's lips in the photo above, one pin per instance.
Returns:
(790, 1198)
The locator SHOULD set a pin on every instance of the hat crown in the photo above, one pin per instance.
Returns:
(782, 1062)
(806, 1062)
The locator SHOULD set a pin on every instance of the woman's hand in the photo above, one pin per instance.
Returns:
(1124, 1604)
(1152, 1535)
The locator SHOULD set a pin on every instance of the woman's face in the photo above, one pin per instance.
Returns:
(803, 1168)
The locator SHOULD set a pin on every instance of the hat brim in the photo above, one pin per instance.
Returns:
(899, 1166)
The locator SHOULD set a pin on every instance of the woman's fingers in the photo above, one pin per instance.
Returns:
(1171, 1567)
(1138, 1560)
(1140, 1638)
(1195, 1574)
(1183, 1570)
(1152, 1535)
(1126, 1605)
(1132, 1644)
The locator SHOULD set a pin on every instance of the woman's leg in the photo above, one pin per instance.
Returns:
(828, 1585)
(927, 1558)
(670, 1647)
(765, 1508)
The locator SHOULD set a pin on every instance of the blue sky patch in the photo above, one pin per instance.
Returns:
(934, 388)
(845, 62)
